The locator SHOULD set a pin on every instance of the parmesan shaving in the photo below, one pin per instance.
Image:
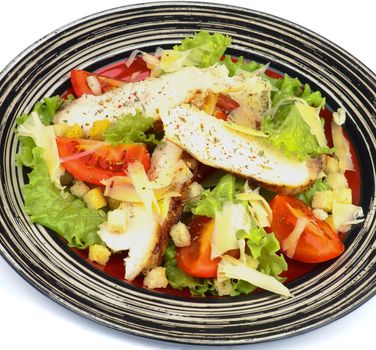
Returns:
(345, 215)
(44, 137)
(141, 183)
(230, 267)
(290, 243)
(232, 218)
(94, 85)
(342, 148)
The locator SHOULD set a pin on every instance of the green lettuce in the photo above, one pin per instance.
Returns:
(200, 50)
(46, 110)
(307, 196)
(292, 135)
(264, 247)
(61, 212)
(239, 66)
(288, 87)
(178, 279)
(211, 201)
(131, 128)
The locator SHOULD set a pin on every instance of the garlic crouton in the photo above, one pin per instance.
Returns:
(156, 278)
(95, 199)
(117, 220)
(194, 191)
(323, 200)
(336, 181)
(74, 131)
(180, 235)
(79, 188)
(223, 287)
(96, 132)
(99, 253)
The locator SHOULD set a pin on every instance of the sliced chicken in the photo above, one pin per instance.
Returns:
(209, 141)
(146, 233)
(150, 96)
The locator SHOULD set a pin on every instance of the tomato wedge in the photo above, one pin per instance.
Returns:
(195, 259)
(80, 84)
(317, 243)
(99, 161)
(226, 103)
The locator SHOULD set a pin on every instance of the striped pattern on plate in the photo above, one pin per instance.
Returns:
(106, 37)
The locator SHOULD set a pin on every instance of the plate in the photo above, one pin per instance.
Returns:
(104, 38)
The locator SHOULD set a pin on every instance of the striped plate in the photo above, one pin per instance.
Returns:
(106, 37)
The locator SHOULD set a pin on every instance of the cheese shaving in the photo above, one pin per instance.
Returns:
(230, 267)
(342, 148)
(290, 243)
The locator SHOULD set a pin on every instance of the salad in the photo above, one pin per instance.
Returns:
(210, 172)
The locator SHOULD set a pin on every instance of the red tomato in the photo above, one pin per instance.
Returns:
(219, 114)
(80, 85)
(226, 103)
(103, 163)
(195, 259)
(318, 242)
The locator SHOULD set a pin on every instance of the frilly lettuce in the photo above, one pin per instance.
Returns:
(60, 211)
(43, 136)
(46, 110)
(289, 132)
(131, 128)
(201, 50)
(212, 201)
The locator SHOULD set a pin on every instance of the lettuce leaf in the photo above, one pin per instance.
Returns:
(307, 196)
(239, 66)
(178, 279)
(211, 201)
(288, 87)
(131, 128)
(264, 247)
(200, 50)
(292, 135)
(46, 110)
(61, 212)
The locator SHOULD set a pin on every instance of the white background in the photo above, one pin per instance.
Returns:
(31, 320)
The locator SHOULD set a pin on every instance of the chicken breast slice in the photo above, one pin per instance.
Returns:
(209, 141)
(151, 96)
(147, 233)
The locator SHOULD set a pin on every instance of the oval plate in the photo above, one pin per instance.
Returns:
(96, 41)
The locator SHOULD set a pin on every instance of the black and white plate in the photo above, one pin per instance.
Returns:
(96, 41)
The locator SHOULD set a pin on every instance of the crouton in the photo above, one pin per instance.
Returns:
(323, 200)
(156, 278)
(117, 220)
(332, 165)
(223, 287)
(95, 199)
(99, 253)
(343, 195)
(194, 191)
(74, 131)
(180, 235)
(336, 181)
(96, 132)
(79, 188)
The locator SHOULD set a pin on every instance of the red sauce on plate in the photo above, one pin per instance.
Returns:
(115, 267)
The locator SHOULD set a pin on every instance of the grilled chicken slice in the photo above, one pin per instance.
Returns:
(209, 141)
(150, 96)
(147, 232)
